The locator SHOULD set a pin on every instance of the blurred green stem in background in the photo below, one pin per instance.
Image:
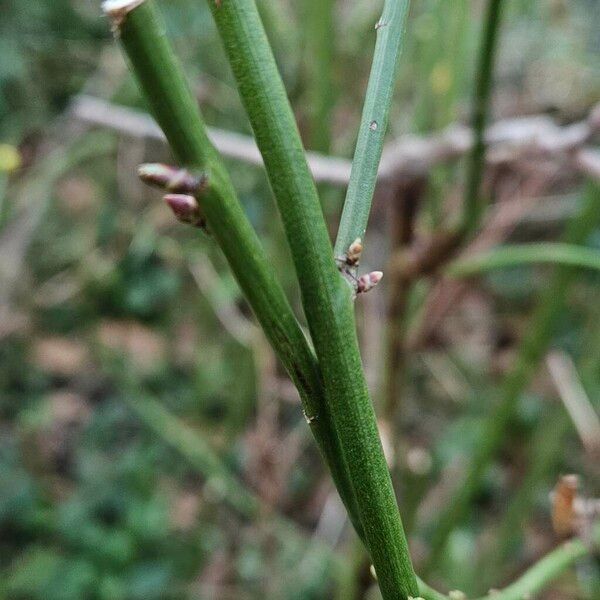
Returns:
(533, 348)
(220, 480)
(196, 451)
(141, 33)
(33, 197)
(517, 255)
(320, 32)
(4, 210)
(473, 204)
(326, 296)
(373, 125)
(536, 577)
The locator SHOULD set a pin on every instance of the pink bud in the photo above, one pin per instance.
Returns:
(186, 209)
(171, 179)
(368, 281)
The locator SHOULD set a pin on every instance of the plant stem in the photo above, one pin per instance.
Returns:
(532, 350)
(536, 578)
(201, 457)
(326, 296)
(544, 571)
(525, 254)
(142, 35)
(320, 41)
(473, 206)
(373, 125)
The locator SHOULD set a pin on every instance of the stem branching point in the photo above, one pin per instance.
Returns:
(117, 10)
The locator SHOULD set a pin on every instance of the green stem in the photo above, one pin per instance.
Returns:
(535, 579)
(473, 206)
(142, 35)
(517, 255)
(543, 572)
(532, 350)
(326, 296)
(320, 40)
(373, 125)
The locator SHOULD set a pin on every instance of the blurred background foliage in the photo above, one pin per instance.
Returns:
(114, 320)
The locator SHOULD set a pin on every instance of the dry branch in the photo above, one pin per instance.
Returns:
(405, 159)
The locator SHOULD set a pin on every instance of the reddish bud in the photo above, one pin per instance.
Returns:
(186, 209)
(368, 281)
(171, 179)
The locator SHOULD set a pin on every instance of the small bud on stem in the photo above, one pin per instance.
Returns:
(368, 281)
(171, 179)
(186, 209)
(352, 256)
(354, 252)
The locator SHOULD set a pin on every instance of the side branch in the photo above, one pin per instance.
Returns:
(373, 125)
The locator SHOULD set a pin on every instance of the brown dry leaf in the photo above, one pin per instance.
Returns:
(563, 505)
(145, 348)
(60, 356)
(573, 514)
